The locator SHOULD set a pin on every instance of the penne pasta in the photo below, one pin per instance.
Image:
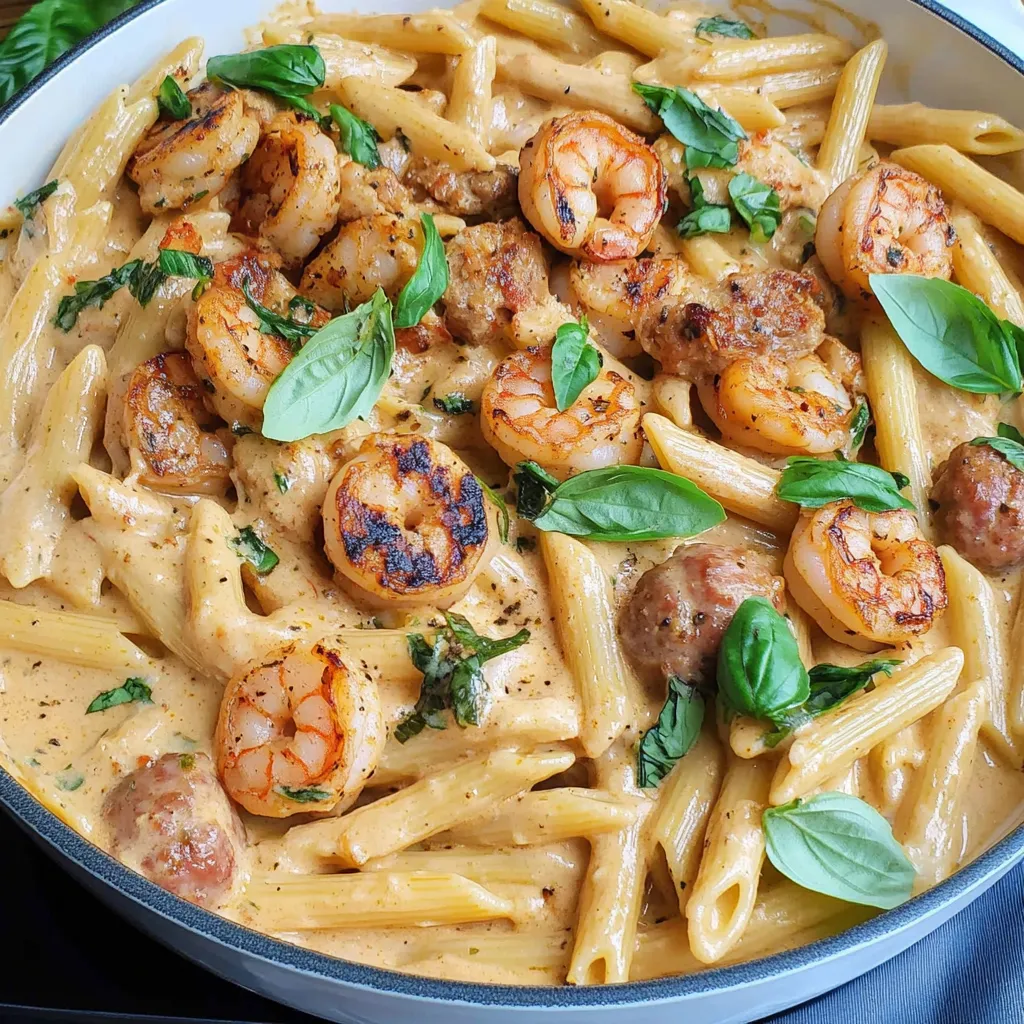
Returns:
(548, 23)
(794, 88)
(639, 27)
(181, 64)
(979, 271)
(470, 101)
(430, 32)
(969, 131)
(741, 58)
(344, 58)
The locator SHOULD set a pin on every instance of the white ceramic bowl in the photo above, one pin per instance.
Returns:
(935, 57)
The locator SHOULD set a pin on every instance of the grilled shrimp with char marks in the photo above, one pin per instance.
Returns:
(591, 187)
(175, 163)
(520, 419)
(887, 220)
(406, 523)
(869, 579)
(298, 731)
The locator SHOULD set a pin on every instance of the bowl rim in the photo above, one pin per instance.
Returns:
(37, 819)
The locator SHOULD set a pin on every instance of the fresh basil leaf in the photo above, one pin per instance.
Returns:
(534, 484)
(174, 104)
(504, 520)
(177, 263)
(69, 780)
(719, 26)
(836, 844)
(284, 327)
(629, 503)
(336, 378)
(309, 795)
(44, 32)
(758, 204)
(93, 293)
(145, 282)
(28, 205)
(428, 282)
(705, 217)
(488, 648)
(711, 136)
(759, 668)
(859, 424)
(250, 547)
(575, 363)
(1009, 444)
(287, 70)
(951, 333)
(134, 690)
(455, 404)
(812, 483)
(358, 137)
(676, 731)
(282, 482)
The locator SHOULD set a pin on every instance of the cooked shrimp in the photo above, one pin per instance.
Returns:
(370, 253)
(887, 220)
(406, 523)
(236, 361)
(177, 163)
(290, 187)
(520, 420)
(298, 731)
(868, 579)
(591, 187)
(170, 429)
(791, 408)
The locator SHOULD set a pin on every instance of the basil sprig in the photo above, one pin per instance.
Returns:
(575, 363)
(250, 546)
(711, 137)
(455, 404)
(133, 690)
(859, 424)
(812, 483)
(309, 795)
(758, 204)
(27, 205)
(534, 484)
(337, 376)
(288, 71)
(836, 844)
(673, 735)
(504, 519)
(719, 26)
(358, 138)
(174, 104)
(620, 503)
(1009, 444)
(293, 331)
(452, 674)
(952, 333)
(429, 279)
(705, 218)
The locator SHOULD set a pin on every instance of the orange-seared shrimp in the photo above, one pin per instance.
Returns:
(298, 731)
(169, 431)
(520, 419)
(406, 523)
(887, 220)
(868, 579)
(178, 163)
(290, 187)
(591, 187)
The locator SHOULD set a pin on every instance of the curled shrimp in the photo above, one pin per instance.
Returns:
(520, 420)
(298, 731)
(236, 361)
(290, 187)
(406, 523)
(169, 430)
(591, 187)
(868, 579)
(178, 163)
(784, 408)
(887, 220)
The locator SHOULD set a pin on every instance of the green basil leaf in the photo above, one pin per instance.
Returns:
(176, 263)
(629, 503)
(309, 795)
(358, 138)
(485, 646)
(835, 844)
(69, 780)
(859, 424)
(504, 519)
(251, 547)
(28, 205)
(428, 282)
(290, 330)
(44, 32)
(336, 378)
(758, 204)
(282, 482)
(951, 333)
(759, 668)
(93, 293)
(133, 690)
(455, 404)
(705, 219)
(812, 483)
(174, 104)
(145, 282)
(575, 363)
(676, 731)
(534, 484)
(287, 70)
(711, 135)
(1009, 444)
(719, 26)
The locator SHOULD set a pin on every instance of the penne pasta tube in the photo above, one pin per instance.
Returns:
(835, 740)
(708, 257)
(978, 269)
(641, 28)
(429, 32)
(559, 865)
(794, 88)
(671, 397)
(961, 179)
(754, 112)
(741, 58)
(469, 103)
(344, 58)
(526, 951)
(891, 764)
(181, 64)
(741, 484)
(969, 131)
(547, 23)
